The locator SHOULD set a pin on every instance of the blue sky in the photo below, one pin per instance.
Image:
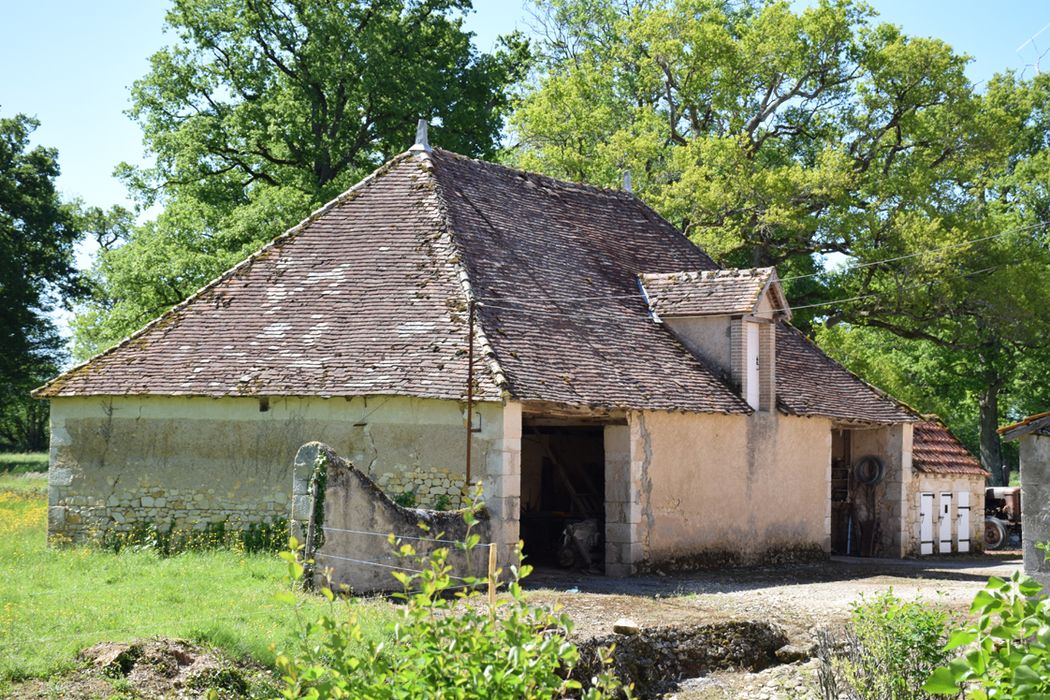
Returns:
(70, 63)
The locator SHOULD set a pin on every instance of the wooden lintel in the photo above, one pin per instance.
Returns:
(540, 413)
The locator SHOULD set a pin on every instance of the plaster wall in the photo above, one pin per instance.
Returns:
(938, 484)
(715, 489)
(708, 337)
(1035, 503)
(186, 461)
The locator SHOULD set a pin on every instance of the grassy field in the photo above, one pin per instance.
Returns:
(54, 602)
(22, 462)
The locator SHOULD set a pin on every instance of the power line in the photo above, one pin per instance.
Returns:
(496, 302)
(879, 294)
(931, 251)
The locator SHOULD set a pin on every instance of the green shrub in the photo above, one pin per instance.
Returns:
(23, 462)
(1006, 654)
(448, 641)
(890, 648)
(406, 499)
(168, 541)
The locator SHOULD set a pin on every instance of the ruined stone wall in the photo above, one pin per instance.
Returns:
(714, 489)
(937, 484)
(354, 517)
(184, 462)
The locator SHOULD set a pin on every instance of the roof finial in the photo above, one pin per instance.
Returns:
(421, 144)
(627, 181)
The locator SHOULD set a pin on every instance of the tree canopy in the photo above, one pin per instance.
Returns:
(264, 109)
(37, 237)
(781, 136)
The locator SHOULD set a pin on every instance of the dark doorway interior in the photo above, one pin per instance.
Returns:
(843, 539)
(563, 495)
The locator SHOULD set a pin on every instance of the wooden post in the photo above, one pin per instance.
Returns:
(492, 577)
(470, 385)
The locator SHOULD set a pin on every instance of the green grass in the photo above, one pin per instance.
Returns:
(23, 462)
(56, 601)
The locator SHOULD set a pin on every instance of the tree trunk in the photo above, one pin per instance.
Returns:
(991, 445)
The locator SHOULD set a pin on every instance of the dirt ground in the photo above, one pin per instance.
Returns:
(798, 597)
(802, 599)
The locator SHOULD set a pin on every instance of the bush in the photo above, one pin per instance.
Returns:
(890, 648)
(448, 641)
(1006, 654)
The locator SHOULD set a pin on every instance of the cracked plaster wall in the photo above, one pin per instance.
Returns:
(187, 461)
(716, 489)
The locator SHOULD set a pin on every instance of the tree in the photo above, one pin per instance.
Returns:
(265, 109)
(778, 137)
(37, 237)
(763, 132)
(970, 258)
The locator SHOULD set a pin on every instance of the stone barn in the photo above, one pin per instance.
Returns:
(1034, 435)
(618, 376)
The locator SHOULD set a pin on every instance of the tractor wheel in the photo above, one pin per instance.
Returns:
(994, 534)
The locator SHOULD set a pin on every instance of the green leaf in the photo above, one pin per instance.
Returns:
(941, 682)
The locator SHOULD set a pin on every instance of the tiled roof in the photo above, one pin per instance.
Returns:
(364, 297)
(809, 383)
(555, 267)
(936, 451)
(368, 296)
(707, 292)
(1039, 424)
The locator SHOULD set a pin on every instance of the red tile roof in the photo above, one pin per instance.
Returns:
(368, 296)
(708, 292)
(936, 451)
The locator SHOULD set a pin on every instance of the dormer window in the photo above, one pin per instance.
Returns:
(727, 318)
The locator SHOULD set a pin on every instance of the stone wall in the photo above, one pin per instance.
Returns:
(355, 517)
(937, 484)
(427, 488)
(184, 462)
(1035, 504)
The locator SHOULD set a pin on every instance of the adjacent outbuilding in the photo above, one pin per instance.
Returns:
(1034, 436)
(947, 491)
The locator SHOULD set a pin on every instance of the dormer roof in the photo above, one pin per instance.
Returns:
(729, 292)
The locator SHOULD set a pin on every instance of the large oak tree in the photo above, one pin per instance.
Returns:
(37, 237)
(264, 109)
(781, 136)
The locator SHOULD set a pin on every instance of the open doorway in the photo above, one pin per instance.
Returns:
(563, 496)
(843, 538)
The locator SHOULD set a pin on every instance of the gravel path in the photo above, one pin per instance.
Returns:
(801, 598)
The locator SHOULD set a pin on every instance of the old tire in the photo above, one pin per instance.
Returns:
(994, 533)
(869, 470)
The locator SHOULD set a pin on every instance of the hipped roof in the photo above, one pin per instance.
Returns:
(369, 296)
